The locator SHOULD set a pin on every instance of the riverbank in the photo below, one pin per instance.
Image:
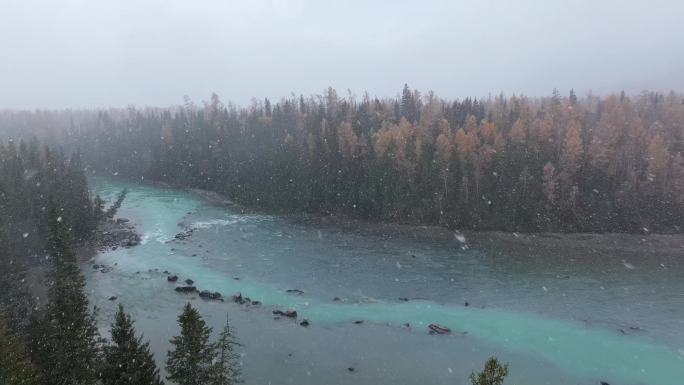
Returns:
(494, 240)
(109, 235)
(650, 248)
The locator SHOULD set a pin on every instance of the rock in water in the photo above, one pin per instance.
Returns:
(439, 329)
(304, 323)
(206, 294)
(172, 278)
(189, 281)
(186, 289)
(295, 291)
(112, 298)
(286, 313)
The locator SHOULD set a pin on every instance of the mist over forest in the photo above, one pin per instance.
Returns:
(341, 193)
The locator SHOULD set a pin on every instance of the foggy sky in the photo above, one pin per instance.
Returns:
(91, 53)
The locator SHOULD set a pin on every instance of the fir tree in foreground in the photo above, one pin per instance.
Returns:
(128, 361)
(227, 366)
(192, 360)
(66, 344)
(493, 373)
(15, 366)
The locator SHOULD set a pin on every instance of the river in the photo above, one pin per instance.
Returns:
(556, 322)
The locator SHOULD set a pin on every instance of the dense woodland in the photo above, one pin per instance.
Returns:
(46, 212)
(558, 163)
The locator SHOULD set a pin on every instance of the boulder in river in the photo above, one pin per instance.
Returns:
(189, 281)
(439, 329)
(186, 289)
(256, 303)
(172, 278)
(206, 294)
(112, 298)
(304, 323)
(237, 298)
(295, 291)
(286, 313)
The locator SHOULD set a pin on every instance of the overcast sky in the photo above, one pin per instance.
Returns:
(91, 53)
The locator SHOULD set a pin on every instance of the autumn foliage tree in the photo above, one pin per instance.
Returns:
(553, 163)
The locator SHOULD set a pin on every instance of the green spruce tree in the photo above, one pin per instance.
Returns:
(67, 343)
(15, 366)
(227, 370)
(192, 360)
(493, 373)
(128, 360)
(117, 204)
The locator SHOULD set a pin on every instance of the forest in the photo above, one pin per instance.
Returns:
(557, 163)
(563, 164)
(47, 215)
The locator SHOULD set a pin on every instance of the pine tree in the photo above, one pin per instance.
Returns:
(493, 373)
(98, 208)
(67, 343)
(15, 366)
(192, 360)
(227, 366)
(15, 300)
(128, 360)
(111, 212)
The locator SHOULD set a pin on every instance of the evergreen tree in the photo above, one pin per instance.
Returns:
(67, 341)
(128, 360)
(227, 370)
(15, 366)
(111, 212)
(191, 362)
(14, 298)
(98, 208)
(493, 373)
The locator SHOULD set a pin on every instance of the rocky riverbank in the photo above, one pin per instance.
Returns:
(112, 234)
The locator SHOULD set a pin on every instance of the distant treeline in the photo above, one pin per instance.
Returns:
(558, 163)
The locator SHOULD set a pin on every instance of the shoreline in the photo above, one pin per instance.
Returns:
(540, 245)
(568, 246)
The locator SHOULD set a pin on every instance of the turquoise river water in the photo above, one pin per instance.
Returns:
(555, 322)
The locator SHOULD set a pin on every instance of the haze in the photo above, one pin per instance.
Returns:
(81, 53)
